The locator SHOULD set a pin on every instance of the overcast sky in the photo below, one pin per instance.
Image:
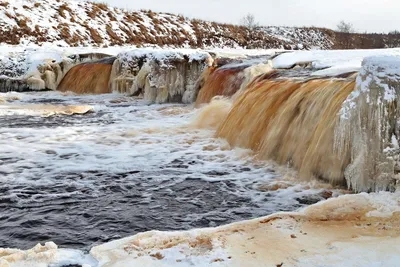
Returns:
(365, 15)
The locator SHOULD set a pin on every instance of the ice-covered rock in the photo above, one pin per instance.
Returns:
(34, 68)
(369, 126)
(160, 75)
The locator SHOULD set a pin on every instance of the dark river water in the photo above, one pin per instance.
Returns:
(126, 167)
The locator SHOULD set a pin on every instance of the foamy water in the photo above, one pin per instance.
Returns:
(123, 168)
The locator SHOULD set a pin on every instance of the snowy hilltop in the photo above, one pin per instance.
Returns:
(82, 23)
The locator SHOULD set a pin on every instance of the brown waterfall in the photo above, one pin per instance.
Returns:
(291, 121)
(88, 78)
(220, 81)
(230, 79)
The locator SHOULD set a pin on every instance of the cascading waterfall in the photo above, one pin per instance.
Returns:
(228, 80)
(291, 121)
(159, 76)
(50, 74)
(337, 129)
(88, 78)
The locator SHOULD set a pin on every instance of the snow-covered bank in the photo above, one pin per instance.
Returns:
(65, 23)
(351, 230)
(330, 63)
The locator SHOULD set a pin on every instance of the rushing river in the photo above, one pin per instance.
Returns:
(126, 167)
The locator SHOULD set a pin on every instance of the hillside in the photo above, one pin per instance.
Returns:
(73, 23)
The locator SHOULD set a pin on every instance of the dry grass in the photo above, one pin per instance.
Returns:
(114, 37)
(22, 23)
(9, 15)
(95, 35)
(102, 6)
(62, 9)
(168, 31)
(65, 32)
(94, 12)
(111, 16)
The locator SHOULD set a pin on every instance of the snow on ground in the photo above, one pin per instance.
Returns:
(83, 23)
(164, 56)
(301, 37)
(383, 71)
(19, 61)
(330, 63)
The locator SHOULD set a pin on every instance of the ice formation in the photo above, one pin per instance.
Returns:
(368, 128)
(160, 75)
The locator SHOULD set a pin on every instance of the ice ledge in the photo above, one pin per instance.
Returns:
(337, 231)
(350, 230)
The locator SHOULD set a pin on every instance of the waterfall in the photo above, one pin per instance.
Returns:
(88, 78)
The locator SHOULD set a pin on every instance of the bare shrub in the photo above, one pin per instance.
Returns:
(103, 6)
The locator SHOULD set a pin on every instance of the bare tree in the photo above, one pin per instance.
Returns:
(345, 27)
(249, 21)
(345, 34)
